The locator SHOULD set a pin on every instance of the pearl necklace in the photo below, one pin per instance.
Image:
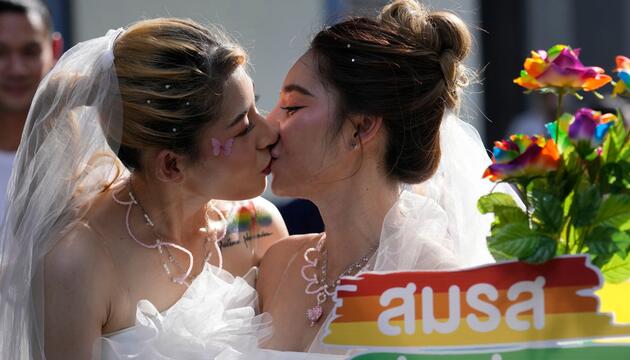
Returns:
(318, 285)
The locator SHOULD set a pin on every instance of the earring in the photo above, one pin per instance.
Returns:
(353, 145)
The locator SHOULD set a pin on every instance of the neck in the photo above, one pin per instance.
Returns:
(176, 215)
(12, 126)
(353, 211)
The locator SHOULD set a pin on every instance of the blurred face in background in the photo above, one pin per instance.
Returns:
(26, 55)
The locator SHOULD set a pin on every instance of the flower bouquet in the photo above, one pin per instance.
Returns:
(574, 183)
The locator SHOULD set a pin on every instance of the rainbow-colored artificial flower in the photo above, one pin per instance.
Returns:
(587, 126)
(623, 70)
(522, 155)
(560, 68)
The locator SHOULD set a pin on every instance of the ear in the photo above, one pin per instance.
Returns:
(57, 45)
(168, 166)
(366, 127)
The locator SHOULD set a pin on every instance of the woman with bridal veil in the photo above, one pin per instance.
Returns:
(111, 226)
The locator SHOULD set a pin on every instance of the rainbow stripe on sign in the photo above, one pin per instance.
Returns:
(494, 305)
(577, 353)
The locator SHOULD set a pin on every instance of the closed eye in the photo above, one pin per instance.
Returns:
(250, 126)
(292, 109)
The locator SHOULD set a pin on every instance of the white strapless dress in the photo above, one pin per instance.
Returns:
(214, 319)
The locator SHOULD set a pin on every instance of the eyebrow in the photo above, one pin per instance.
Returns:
(297, 88)
(237, 119)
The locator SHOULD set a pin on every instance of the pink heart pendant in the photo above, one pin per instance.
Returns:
(313, 314)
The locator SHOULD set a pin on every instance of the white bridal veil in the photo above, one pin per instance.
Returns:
(436, 225)
(66, 155)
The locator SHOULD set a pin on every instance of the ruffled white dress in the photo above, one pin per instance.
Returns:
(214, 319)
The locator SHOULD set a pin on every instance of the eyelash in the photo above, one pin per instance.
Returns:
(291, 109)
(249, 128)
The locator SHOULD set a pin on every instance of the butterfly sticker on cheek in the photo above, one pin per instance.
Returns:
(222, 149)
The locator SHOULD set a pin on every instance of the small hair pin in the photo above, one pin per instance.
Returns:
(174, 130)
(187, 103)
(348, 46)
(148, 101)
(352, 59)
(167, 86)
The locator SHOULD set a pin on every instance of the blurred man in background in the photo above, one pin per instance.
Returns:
(28, 50)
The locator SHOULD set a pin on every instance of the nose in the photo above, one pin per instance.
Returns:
(17, 65)
(274, 116)
(268, 134)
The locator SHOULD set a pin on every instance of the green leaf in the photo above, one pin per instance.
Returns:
(520, 242)
(488, 203)
(548, 209)
(617, 270)
(611, 178)
(600, 241)
(614, 212)
(622, 240)
(510, 215)
(585, 205)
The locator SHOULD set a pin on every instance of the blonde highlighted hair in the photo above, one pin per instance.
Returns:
(171, 74)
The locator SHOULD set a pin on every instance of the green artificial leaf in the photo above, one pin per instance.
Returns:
(586, 203)
(600, 241)
(571, 160)
(520, 242)
(611, 177)
(614, 212)
(489, 202)
(622, 240)
(617, 270)
(568, 201)
(547, 209)
(625, 181)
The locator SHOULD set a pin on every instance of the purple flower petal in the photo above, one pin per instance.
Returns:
(583, 127)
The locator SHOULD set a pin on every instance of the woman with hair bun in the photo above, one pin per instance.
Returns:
(110, 242)
(397, 176)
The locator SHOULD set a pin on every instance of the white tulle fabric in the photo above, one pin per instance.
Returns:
(214, 319)
(436, 224)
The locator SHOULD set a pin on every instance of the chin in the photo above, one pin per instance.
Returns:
(280, 189)
(256, 190)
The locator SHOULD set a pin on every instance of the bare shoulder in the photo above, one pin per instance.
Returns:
(271, 226)
(268, 210)
(278, 259)
(78, 268)
(79, 247)
(78, 283)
